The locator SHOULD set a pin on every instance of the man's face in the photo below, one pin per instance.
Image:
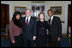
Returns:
(28, 13)
(50, 13)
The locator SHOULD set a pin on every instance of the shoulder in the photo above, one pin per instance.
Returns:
(33, 18)
(23, 18)
(45, 21)
(57, 18)
(11, 23)
(38, 21)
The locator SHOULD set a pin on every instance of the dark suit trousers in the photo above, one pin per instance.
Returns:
(41, 41)
(55, 44)
(28, 43)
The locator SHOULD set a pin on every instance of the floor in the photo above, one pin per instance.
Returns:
(64, 43)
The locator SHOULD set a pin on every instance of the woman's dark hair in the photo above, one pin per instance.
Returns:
(16, 21)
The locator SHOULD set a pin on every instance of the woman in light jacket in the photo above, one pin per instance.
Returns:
(15, 30)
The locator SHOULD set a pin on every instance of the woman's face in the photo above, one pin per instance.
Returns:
(41, 17)
(18, 17)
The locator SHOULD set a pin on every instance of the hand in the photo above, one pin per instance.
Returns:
(59, 38)
(34, 37)
(13, 41)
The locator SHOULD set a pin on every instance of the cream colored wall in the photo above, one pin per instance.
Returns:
(10, 3)
(63, 16)
(26, 4)
(48, 4)
(57, 3)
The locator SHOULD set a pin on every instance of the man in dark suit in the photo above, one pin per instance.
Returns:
(55, 29)
(29, 29)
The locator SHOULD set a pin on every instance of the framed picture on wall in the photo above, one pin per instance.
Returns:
(20, 9)
(57, 10)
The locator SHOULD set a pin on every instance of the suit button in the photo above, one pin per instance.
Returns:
(42, 27)
(39, 34)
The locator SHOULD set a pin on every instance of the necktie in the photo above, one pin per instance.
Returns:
(27, 22)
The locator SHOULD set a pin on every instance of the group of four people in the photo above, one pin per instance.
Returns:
(26, 31)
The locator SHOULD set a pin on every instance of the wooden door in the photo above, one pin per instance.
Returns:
(69, 15)
(69, 23)
(4, 16)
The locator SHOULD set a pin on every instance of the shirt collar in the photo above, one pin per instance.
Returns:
(28, 18)
(52, 17)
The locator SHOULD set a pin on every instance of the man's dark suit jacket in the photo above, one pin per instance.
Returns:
(30, 31)
(55, 29)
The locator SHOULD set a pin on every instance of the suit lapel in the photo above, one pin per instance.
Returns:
(49, 21)
(30, 21)
(24, 21)
(53, 21)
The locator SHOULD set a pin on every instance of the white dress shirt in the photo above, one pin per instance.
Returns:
(28, 19)
(52, 18)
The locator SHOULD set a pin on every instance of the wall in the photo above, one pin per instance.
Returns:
(48, 4)
(26, 4)
(58, 3)
(63, 16)
(10, 3)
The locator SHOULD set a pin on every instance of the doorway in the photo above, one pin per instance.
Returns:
(69, 23)
(4, 16)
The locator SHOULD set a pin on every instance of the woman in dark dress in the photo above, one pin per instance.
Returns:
(41, 31)
(15, 30)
